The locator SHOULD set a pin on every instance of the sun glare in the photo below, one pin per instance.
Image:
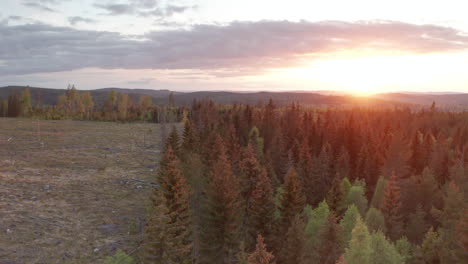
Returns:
(367, 75)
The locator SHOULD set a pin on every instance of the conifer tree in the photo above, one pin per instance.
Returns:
(375, 220)
(348, 222)
(330, 242)
(189, 141)
(261, 255)
(261, 209)
(383, 251)
(356, 196)
(378, 197)
(392, 208)
(174, 141)
(335, 197)
(292, 200)
(359, 250)
(316, 219)
(293, 250)
(176, 192)
(157, 246)
(224, 213)
(417, 225)
(429, 250)
(405, 249)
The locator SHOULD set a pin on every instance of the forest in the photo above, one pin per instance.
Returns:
(292, 184)
(296, 185)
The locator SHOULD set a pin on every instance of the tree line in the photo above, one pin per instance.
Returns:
(79, 105)
(295, 185)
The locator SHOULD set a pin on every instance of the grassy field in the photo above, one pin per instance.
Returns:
(72, 191)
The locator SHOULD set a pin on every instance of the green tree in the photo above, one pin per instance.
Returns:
(379, 191)
(417, 225)
(349, 221)
(316, 219)
(330, 243)
(375, 220)
(383, 251)
(356, 196)
(293, 250)
(359, 250)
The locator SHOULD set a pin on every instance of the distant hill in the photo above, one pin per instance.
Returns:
(49, 96)
(442, 100)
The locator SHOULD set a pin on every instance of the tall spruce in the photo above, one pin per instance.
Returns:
(392, 208)
(261, 255)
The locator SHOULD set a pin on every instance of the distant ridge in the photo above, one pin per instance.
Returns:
(314, 98)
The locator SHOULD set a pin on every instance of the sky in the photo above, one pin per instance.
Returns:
(356, 46)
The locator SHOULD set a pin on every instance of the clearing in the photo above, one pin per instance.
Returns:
(73, 191)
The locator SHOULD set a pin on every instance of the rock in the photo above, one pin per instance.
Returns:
(139, 186)
(46, 187)
(34, 198)
(9, 231)
(96, 250)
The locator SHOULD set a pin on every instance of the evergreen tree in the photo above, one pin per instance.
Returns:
(378, 197)
(429, 250)
(335, 197)
(375, 220)
(261, 255)
(316, 219)
(417, 225)
(292, 200)
(174, 141)
(293, 250)
(404, 248)
(348, 222)
(391, 208)
(330, 243)
(359, 250)
(383, 251)
(157, 246)
(261, 209)
(356, 196)
(176, 192)
(224, 213)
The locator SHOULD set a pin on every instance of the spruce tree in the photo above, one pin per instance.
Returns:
(261, 255)
(176, 192)
(222, 233)
(261, 209)
(293, 249)
(383, 251)
(348, 222)
(417, 225)
(375, 220)
(392, 208)
(359, 250)
(292, 200)
(330, 242)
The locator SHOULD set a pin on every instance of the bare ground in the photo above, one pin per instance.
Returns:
(72, 191)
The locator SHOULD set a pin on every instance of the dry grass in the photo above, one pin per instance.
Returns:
(66, 188)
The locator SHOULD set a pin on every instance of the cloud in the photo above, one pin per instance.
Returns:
(34, 48)
(143, 8)
(77, 19)
(40, 6)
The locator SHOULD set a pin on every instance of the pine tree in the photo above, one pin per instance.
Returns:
(190, 141)
(375, 220)
(392, 208)
(335, 197)
(429, 250)
(404, 248)
(449, 217)
(383, 251)
(224, 213)
(292, 201)
(261, 209)
(176, 193)
(330, 243)
(348, 222)
(293, 250)
(359, 250)
(417, 225)
(356, 196)
(156, 246)
(316, 219)
(378, 197)
(174, 141)
(261, 255)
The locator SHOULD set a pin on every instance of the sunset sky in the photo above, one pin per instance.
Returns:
(358, 46)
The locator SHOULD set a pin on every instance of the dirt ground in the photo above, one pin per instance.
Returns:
(73, 191)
